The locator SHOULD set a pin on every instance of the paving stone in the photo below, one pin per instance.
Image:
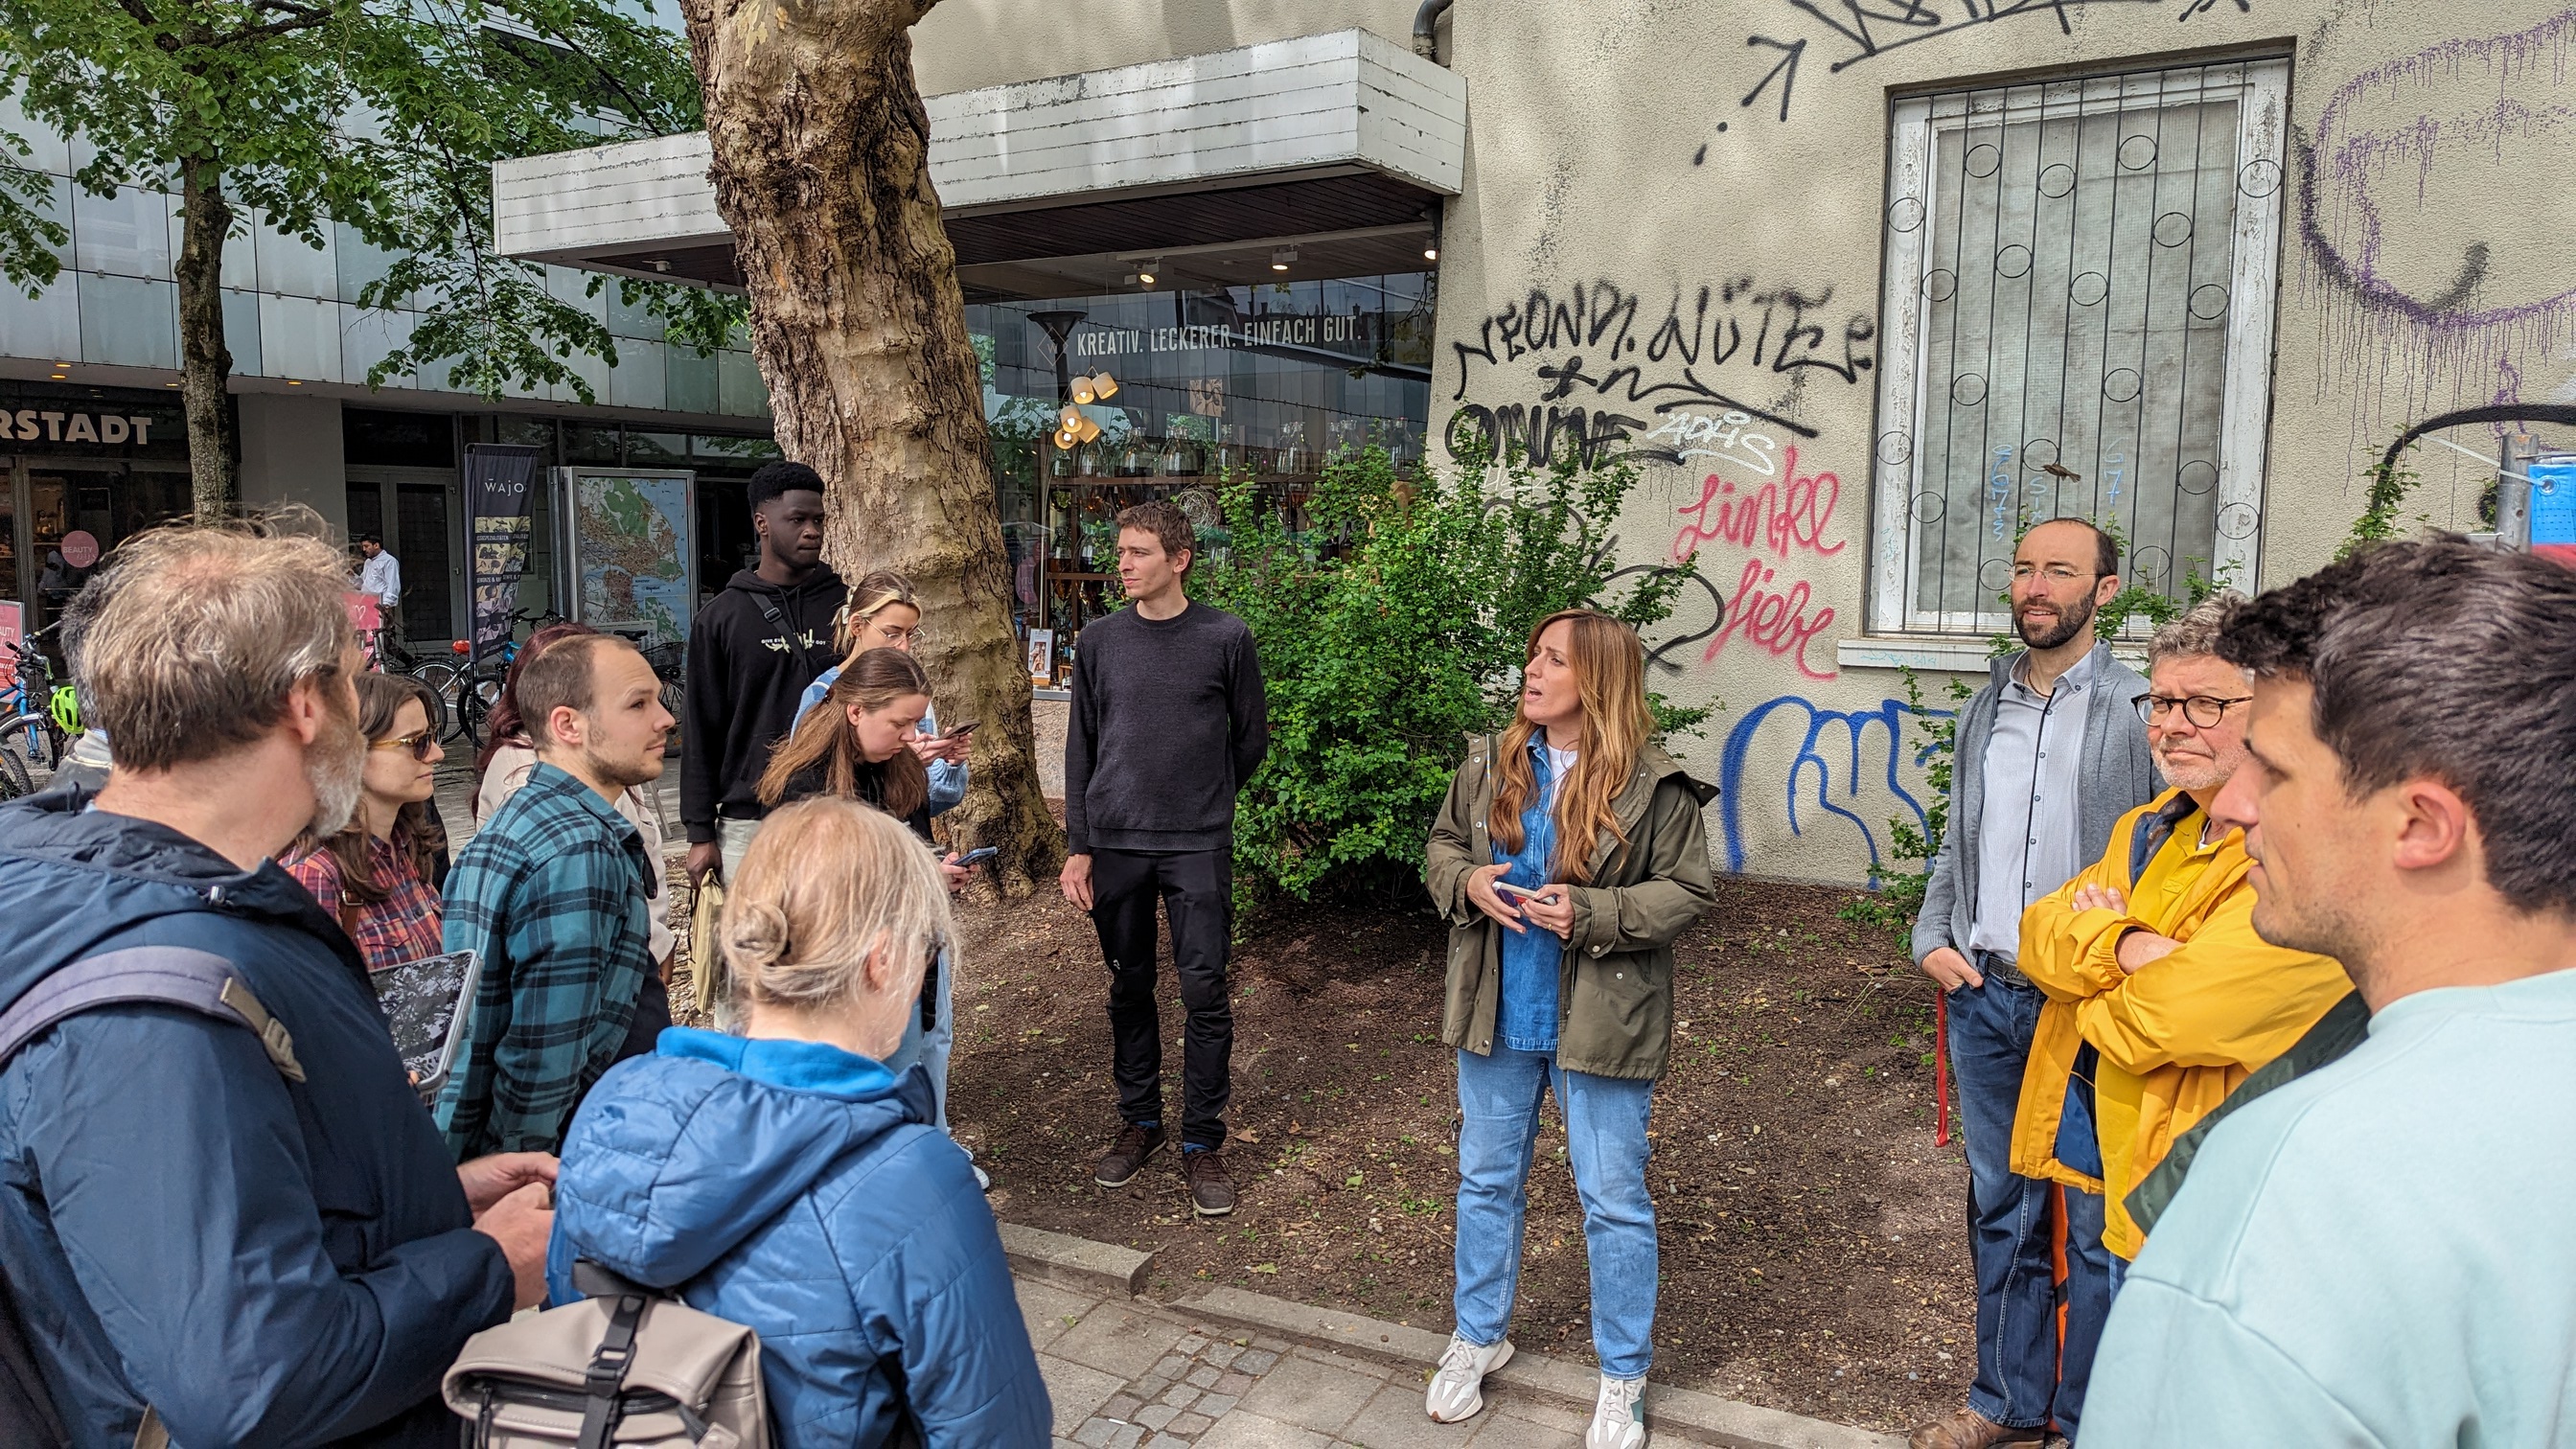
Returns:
(1127, 1437)
(1191, 1425)
(1118, 1339)
(1257, 1362)
(1078, 1391)
(1095, 1433)
(1191, 1345)
(1123, 1406)
(1237, 1384)
(1172, 1366)
(1240, 1430)
(1393, 1419)
(1363, 1367)
(1503, 1431)
(1179, 1396)
(1221, 1354)
(1203, 1376)
(1045, 1308)
(1155, 1416)
(1271, 1345)
(1310, 1395)
(1167, 1441)
(1215, 1406)
(1555, 1416)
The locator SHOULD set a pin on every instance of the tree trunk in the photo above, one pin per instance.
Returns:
(204, 363)
(822, 170)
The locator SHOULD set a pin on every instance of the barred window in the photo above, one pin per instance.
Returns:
(2078, 310)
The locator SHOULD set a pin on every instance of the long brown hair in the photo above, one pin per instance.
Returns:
(1610, 677)
(826, 738)
(505, 725)
(380, 698)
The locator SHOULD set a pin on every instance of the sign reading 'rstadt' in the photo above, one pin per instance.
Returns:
(31, 425)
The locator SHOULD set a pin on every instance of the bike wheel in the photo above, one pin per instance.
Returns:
(439, 677)
(14, 780)
(475, 704)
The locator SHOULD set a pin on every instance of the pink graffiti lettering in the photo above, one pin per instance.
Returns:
(1776, 621)
(1769, 516)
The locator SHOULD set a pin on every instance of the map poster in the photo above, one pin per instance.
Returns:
(631, 556)
(499, 487)
(2553, 509)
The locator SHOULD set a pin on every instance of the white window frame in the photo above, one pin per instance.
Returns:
(2262, 88)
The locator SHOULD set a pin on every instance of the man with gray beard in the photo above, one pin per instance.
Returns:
(228, 1219)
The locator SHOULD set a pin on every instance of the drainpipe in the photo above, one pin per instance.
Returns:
(1426, 23)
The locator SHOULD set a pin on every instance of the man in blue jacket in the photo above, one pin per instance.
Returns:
(252, 1238)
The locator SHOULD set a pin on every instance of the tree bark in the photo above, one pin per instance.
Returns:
(205, 364)
(822, 170)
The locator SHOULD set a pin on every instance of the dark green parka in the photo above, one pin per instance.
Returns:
(1615, 979)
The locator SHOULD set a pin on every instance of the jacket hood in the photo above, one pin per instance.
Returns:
(679, 1156)
(823, 579)
(72, 878)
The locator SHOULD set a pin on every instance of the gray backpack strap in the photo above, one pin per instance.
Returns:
(199, 981)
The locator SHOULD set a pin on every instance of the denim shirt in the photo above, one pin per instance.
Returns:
(1526, 1018)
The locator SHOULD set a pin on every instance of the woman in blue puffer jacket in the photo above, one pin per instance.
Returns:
(786, 1180)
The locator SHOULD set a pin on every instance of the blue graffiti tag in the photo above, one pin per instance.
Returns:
(1890, 716)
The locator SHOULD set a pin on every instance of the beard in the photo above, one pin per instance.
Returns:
(2200, 772)
(336, 767)
(2073, 620)
(625, 774)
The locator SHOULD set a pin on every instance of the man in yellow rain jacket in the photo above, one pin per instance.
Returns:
(2161, 998)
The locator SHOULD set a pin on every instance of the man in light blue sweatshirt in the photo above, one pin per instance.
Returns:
(2377, 1253)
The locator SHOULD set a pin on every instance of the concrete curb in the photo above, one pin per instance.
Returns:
(1685, 1414)
(1077, 1263)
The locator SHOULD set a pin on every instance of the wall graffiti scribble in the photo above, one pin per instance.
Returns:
(1863, 30)
(1713, 324)
(2407, 149)
(1832, 756)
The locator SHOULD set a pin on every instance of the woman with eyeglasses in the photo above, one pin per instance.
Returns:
(373, 877)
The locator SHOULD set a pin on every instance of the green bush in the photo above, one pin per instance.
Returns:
(1391, 631)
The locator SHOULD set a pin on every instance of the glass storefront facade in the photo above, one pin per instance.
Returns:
(1265, 381)
(86, 467)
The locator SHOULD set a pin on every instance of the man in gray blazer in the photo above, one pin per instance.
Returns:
(2050, 754)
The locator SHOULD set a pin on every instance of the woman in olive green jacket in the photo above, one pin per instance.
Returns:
(1569, 855)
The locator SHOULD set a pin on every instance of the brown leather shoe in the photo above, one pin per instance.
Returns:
(1211, 1186)
(1967, 1429)
(1127, 1156)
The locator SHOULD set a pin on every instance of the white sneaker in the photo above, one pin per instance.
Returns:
(1619, 1417)
(1458, 1389)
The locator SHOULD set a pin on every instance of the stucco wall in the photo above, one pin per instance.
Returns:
(1586, 167)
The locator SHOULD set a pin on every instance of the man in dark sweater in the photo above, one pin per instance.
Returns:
(1168, 721)
(751, 653)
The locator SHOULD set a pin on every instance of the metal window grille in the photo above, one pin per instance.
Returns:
(2079, 299)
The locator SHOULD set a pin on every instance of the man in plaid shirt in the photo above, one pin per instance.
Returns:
(553, 894)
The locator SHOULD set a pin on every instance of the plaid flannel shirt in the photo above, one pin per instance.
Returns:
(551, 893)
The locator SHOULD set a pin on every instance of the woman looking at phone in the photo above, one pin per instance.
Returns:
(857, 746)
(373, 877)
(884, 614)
(1569, 855)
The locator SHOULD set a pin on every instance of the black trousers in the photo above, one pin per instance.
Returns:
(1197, 892)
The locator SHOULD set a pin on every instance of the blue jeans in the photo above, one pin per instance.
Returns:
(2021, 1381)
(931, 1049)
(1605, 1133)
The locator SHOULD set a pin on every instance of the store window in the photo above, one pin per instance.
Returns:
(372, 437)
(1266, 381)
(2079, 303)
(81, 470)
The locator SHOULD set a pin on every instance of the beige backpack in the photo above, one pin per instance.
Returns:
(625, 1366)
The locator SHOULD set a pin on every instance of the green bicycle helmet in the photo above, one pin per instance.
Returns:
(65, 709)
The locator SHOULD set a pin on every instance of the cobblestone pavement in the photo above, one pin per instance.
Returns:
(1129, 1374)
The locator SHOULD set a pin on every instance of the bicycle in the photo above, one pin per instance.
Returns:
(38, 709)
(476, 696)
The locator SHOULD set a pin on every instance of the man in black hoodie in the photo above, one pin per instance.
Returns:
(751, 653)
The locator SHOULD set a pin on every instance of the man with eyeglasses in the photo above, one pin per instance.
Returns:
(2162, 1000)
(2050, 754)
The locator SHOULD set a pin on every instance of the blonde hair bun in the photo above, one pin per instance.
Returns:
(827, 885)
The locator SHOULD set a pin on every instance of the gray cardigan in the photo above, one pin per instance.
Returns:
(2119, 776)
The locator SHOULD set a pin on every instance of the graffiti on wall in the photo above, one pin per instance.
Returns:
(1778, 522)
(2433, 295)
(1608, 367)
(1844, 773)
(1847, 33)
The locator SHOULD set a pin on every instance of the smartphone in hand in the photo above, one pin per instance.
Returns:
(1545, 894)
(976, 857)
(961, 731)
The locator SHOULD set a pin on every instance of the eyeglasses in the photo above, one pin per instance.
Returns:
(2054, 573)
(419, 742)
(2204, 710)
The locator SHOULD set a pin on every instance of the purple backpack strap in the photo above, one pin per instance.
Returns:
(199, 981)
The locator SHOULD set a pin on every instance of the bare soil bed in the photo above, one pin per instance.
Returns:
(1813, 1242)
